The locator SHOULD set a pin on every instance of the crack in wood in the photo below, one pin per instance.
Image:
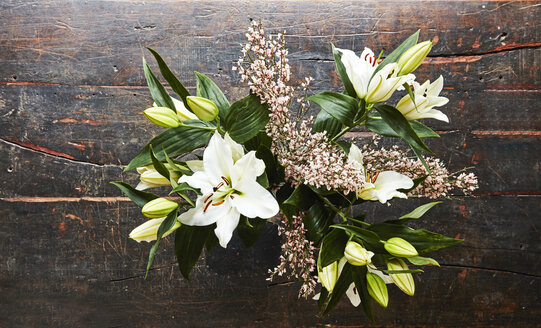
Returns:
(51, 153)
(473, 268)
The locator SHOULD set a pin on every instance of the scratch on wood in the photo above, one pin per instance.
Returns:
(70, 120)
(72, 199)
(481, 133)
(40, 148)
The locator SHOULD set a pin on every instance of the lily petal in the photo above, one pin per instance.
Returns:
(247, 168)
(254, 201)
(236, 149)
(217, 158)
(226, 225)
(353, 295)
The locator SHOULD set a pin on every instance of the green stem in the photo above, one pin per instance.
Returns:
(359, 221)
(334, 208)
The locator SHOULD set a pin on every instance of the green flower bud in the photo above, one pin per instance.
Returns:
(162, 116)
(377, 288)
(148, 231)
(357, 255)
(404, 281)
(399, 247)
(413, 57)
(328, 275)
(158, 208)
(205, 109)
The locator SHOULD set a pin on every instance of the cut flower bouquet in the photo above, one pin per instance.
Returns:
(265, 159)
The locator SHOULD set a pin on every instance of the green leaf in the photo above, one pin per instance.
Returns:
(264, 153)
(332, 247)
(401, 126)
(261, 139)
(211, 242)
(323, 295)
(325, 122)
(340, 288)
(174, 141)
(379, 126)
(419, 211)
(341, 70)
(359, 278)
(402, 271)
(249, 230)
(419, 260)
(206, 88)
(158, 92)
(300, 199)
(421, 158)
(185, 187)
(175, 84)
(340, 106)
(395, 55)
(167, 224)
(316, 221)
(162, 170)
(189, 243)
(366, 235)
(424, 241)
(246, 118)
(140, 198)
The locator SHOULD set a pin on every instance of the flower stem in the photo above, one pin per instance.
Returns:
(198, 127)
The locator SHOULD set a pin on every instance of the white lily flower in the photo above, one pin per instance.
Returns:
(148, 231)
(183, 113)
(229, 189)
(382, 186)
(360, 69)
(426, 98)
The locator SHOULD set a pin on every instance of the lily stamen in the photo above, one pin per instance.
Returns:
(206, 207)
(219, 203)
(218, 186)
(226, 181)
(208, 197)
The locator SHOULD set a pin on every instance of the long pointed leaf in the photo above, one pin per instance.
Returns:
(140, 198)
(158, 92)
(206, 88)
(341, 70)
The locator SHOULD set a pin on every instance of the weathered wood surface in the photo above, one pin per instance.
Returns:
(71, 96)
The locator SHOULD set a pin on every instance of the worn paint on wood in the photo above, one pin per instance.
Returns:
(71, 96)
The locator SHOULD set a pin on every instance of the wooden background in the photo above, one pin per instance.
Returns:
(71, 96)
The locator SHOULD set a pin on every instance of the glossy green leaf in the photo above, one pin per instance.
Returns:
(159, 94)
(402, 271)
(323, 295)
(358, 274)
(185, 187)
(340, 288)
(162, 170)
(301, 198)
(419, 211)
(379, 126)
(174, 141)
(419, 260)
(166, 225)
(174, 83)
(325, 122)
(246, 118)
(401, 126)
(189, 243)
(140, 198)
(316, 220)
(366, 235)
(265, 154)
(395, 55)
(340, 106)
(249, 230)
(332, 247)
(206, 88)
(424, 241)
(341, 70)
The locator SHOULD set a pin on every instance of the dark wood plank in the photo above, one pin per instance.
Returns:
(72, 44)
(80, 261)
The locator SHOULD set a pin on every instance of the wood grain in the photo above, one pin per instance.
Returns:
(71, 96)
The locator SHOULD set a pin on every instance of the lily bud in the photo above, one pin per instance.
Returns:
(377, 288)
(205, 109)
(399, 247)
(404, 281)
(328, 275)
(413, 57)
(158, 208)
(357, 255)
(151, 178)
(148, 231)
(162, 116)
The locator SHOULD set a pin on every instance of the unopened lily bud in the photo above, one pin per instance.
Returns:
(357, 255)
(399, 247)
(205, 109)
(151, 178)
(328, 275)
(158, 208)
(377, 288)
(162, 116)
(404, 281)
(413, 57)
(148, 231)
